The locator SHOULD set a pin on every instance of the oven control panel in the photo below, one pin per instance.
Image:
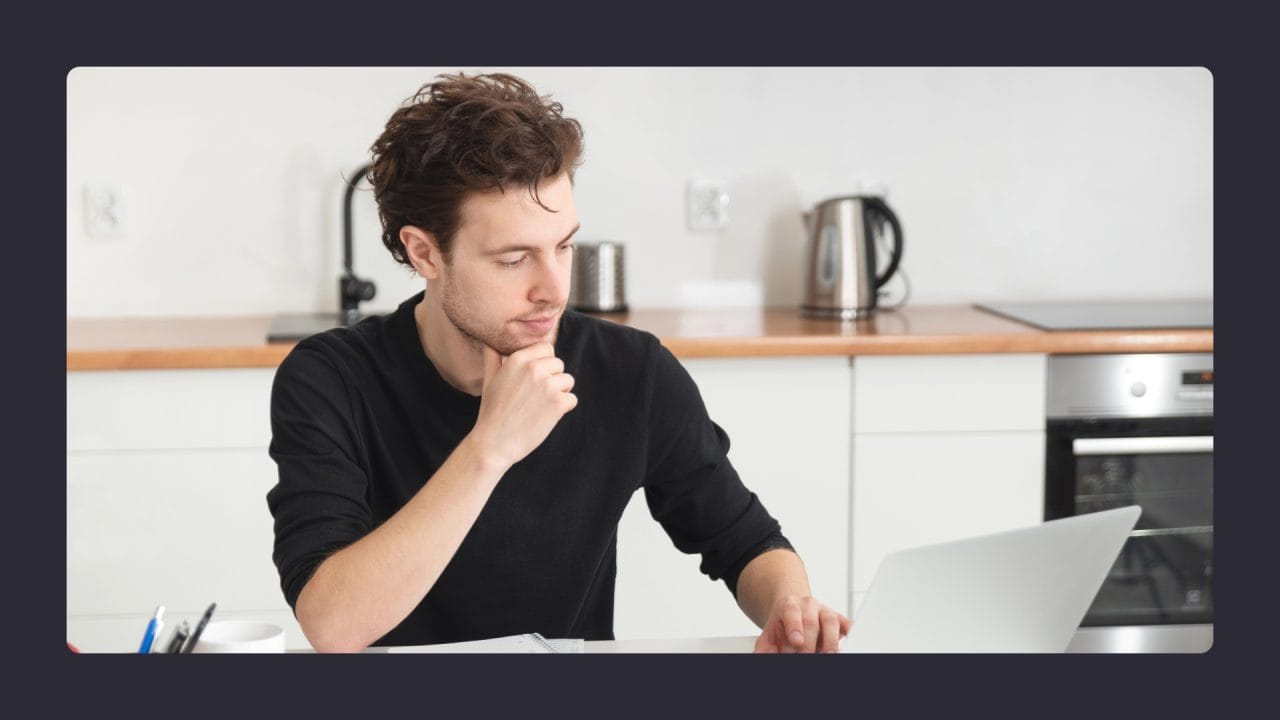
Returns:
(1130, 385)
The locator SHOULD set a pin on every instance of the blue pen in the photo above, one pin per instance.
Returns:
(153, 630)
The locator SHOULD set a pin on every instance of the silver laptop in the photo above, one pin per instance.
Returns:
(1018, 591)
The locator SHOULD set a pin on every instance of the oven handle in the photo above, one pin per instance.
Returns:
(1142, 445)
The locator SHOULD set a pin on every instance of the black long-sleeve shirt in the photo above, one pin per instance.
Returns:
(361, 419)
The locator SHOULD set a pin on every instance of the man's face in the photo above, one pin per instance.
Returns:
(507, 279)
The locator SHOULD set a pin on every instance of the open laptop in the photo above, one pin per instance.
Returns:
(1017, 591)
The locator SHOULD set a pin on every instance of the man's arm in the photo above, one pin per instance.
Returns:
(361, 592)
(364, 590)
(773, 590)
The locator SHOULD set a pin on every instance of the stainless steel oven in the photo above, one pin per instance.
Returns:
(1138, 429)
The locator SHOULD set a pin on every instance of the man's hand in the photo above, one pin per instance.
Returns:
(802, 625)
(523, 397)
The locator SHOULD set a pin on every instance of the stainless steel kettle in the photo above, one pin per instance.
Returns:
(841, 278)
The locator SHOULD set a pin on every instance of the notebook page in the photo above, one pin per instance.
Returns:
(567, 645)
(523, 643)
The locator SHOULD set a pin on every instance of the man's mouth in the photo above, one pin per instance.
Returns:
(540, 325)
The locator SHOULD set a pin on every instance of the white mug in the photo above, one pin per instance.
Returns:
(240, 636)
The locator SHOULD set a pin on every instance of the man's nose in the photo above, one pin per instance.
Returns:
(551, 284)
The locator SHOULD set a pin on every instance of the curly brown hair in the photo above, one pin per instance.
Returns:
(461, 135)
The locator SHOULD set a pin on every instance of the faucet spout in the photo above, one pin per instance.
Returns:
(351, 289)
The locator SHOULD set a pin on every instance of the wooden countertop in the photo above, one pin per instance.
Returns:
(240, 341)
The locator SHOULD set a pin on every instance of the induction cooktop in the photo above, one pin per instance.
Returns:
(1108, 315)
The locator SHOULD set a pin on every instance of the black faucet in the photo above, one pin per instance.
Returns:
(351, 289)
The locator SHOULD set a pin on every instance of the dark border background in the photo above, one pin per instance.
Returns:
(1228, 41)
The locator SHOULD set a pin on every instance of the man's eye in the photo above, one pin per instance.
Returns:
(513, 263)
(565, 247)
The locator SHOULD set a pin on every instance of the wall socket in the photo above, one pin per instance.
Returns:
(106, 210)
(706, 205)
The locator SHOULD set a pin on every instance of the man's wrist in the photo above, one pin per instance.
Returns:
(768, 580)
(481, 455)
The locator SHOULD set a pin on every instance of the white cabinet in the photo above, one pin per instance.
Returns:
(167, 475)
(788, 426)
(944, 447)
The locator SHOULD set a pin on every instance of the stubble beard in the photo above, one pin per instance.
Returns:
(475, 331)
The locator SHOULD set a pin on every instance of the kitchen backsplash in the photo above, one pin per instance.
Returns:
(1011, 183)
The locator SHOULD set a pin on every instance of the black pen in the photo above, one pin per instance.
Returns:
(179, 635)
(195, 636)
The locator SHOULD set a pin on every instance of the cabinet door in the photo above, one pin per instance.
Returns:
(788, 426)
(944, 447)
(919, 488)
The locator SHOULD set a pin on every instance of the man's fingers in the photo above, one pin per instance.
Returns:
(765, 644)
(793, 623)
(547, 365)
(562, 382)
(812, 628)
(829, 641)
(534, 351)
(569, 402)
(804, 625)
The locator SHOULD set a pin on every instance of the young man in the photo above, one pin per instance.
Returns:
(457, 469)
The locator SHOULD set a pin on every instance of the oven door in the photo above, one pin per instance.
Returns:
(1164, 574)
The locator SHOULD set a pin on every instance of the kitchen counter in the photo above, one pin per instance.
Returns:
(240, 341)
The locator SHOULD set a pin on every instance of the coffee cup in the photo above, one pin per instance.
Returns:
(240, 636)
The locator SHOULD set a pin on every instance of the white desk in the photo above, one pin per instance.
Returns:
(743, 644)
(1127, 639)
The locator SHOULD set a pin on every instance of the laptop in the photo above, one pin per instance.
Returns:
(1018, 591)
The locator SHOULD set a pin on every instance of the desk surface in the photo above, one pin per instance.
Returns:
(1127, 639)
(1124, 639)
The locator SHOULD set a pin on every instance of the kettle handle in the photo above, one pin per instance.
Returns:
(879, 206)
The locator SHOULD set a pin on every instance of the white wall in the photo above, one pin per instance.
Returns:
(1012, 183)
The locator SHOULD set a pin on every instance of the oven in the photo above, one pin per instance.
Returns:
(1132, 429)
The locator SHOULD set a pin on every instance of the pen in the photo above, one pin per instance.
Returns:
(195, 635)
(153, 629)
(179, 636)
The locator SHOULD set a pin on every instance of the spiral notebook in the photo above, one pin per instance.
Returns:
(523, 643)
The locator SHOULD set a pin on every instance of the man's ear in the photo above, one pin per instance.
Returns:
(423, 251)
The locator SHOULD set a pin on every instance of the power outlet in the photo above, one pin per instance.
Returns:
(706, 205)
(106, 210)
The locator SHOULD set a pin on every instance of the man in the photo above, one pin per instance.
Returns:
(457, 469)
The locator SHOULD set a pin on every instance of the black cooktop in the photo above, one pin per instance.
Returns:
(1108, 315)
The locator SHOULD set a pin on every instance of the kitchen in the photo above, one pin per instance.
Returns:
(1012, 185)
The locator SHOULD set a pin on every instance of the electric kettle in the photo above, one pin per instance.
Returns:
(841, 279)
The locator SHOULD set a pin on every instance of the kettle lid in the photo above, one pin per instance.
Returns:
(858, 189)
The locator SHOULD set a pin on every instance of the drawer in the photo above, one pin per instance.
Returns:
(169, 409)
(927, 393)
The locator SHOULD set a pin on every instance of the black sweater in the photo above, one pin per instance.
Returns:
(360, 420)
